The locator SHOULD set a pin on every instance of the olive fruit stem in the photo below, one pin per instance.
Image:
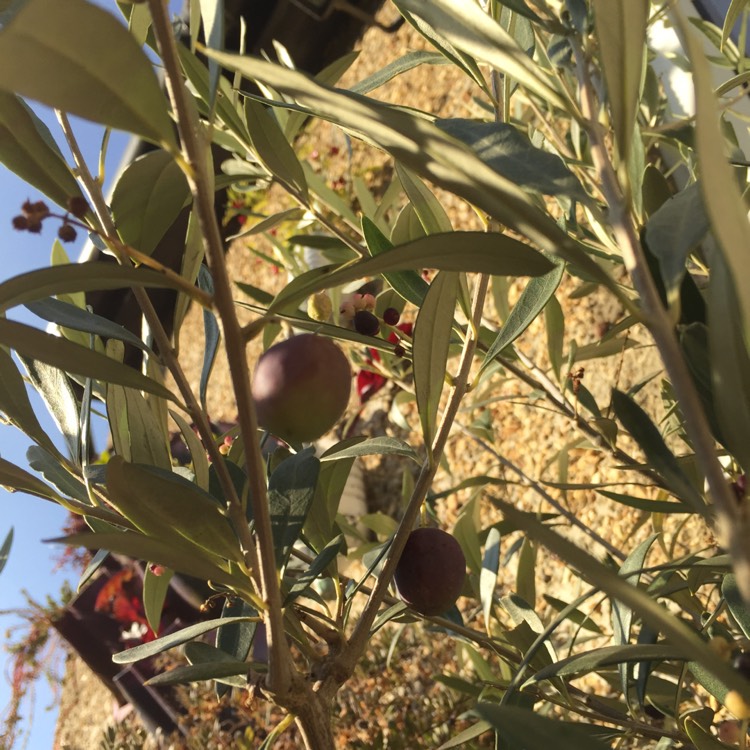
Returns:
(280, 667)
(346, 661)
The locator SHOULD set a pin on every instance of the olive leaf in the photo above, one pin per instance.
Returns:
(114, 83)
(165, 506)
(28, 149)
(432, 335)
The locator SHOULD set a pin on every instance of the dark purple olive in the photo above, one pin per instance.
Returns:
(301, 388)
(431, 572)
(366, 323)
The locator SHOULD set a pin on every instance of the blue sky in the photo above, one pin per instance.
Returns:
(31, 563)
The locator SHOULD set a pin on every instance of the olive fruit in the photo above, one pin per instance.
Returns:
(301, 388)
(366, 323)
(430, 574)
(391, 316)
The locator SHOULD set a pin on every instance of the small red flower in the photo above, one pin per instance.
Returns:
(369, 382)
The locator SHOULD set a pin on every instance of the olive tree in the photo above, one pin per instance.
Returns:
(572, 170)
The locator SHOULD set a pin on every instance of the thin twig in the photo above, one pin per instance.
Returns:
(280, 667)
(476, 636)
(657, 320)
(108, 231)
(527, 481)
(344, 664)
(539, 381)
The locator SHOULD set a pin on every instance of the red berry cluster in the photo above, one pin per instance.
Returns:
(34, 213)
(369, 382)
(32, 216)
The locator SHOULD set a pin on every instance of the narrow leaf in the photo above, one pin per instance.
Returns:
(291, 490)
(522, 728)
(327, 555)
(406, 62)
(236, 638)
(574, 614)
(674, 231)
(42, 57)
(608, 656)
(737, 606)
(736, 7)
(621, 30)
(526, 574)
(273, 148)
(158, 646)
(72, 358)
(289, 214)
(479, 252)
(522, 613)
(511, 154)
(197, 451)
(154, 593)
(5, 549)
(475, 730)
(361, 446)
(622, 615)
(432, 216)
(140, 547)
(28, 149)
(332, 479)
(142, 437)
(554, 322)
(69, 316)
(148, 197)
(488, 574)
(76, 277)
(409, 284)
(212, 15)
(53, 470)
(646, 434)
(729, 362)
(645, 503)
(14, 479)
(211, 335)
(168, 507)
(15, 403)
(222, 671)
(56, 390)
(701, 738)
(721, 194)
(432, 335)
(532, 301)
